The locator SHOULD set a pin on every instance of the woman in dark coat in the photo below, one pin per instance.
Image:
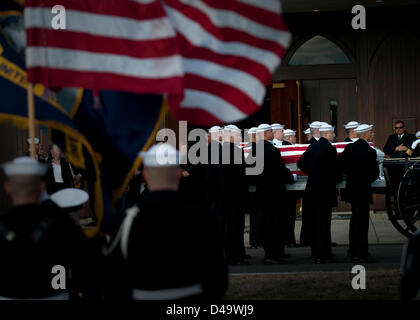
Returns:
(59, 175)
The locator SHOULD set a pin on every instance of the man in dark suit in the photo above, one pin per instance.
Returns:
(320, 162)
(358, 161)
(351, 135)
(399, 142)
(271, 191)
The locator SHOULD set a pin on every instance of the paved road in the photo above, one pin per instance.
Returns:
(388, 257)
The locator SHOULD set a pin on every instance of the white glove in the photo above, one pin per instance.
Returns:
(415, 143)
(294, 177)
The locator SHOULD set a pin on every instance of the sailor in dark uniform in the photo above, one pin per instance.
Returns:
(305, 237)
(290, 218)
(308, 134)
(278, 134)
(163, 249)
(314, 127)
(38, 150)
(35, 238)
(351, 135)
(414, 150)
(271, 191)
(255, 212)
(320, 162)
(234, 190)
(358, 162)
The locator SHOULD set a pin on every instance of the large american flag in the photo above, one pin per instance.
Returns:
(214, 58)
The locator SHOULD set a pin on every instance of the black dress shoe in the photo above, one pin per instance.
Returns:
(247, 256)
(286, 256)
(334, 244)
(269, 261)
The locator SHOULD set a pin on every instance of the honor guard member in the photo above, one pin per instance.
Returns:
(290, 241)
(320, 162)
(278, 133)
(163, 249)
(255, 213)
(271, 191)
(410, 263)
(305, 238)
(399, 142)
(308, 134)
(38, 150)
(289, 137)
(414, 150)
(42, 248)
(314, 127)
(235, 188)
(214, 179)
(351, 134)
(358, 162)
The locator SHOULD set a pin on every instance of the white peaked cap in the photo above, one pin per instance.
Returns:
(289, 132)
(326, 127)
(351, 125)
(263, 127)
(315, 125)
(363, 128)
(232, 128)
(160, 155)
(307, 131)
(253, 130)
(418, 134)
(24, 166)
(215, 129)
(30, 141)
(69, 197)
(276, 126)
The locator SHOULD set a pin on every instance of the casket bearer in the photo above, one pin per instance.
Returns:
(358, 162)
(314, 127)
(271, 191)
(351, 134)
(320, 162)
(278, 134)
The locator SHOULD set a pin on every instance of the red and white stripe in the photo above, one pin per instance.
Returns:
(127, 45)
(230, 50)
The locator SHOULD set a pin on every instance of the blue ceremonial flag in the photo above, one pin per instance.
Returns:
(119, 125)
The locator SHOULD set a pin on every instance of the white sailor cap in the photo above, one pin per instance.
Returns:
(326, 127)
(289, 132)
(160, 155)
(277, 126)
(253, 130)
(36, 140)
(418, 134)
(232, 128)
(351, 125)
(307, 131)
(315, 125)
(263, 127)
(24, 166)
(215, 129)
(70, 198)
(363, 128)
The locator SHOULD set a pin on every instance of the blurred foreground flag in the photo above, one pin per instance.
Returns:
(213, 58)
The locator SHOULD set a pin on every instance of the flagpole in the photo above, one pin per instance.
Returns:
(31, 120)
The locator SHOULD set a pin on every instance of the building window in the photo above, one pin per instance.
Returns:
(318, 50)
